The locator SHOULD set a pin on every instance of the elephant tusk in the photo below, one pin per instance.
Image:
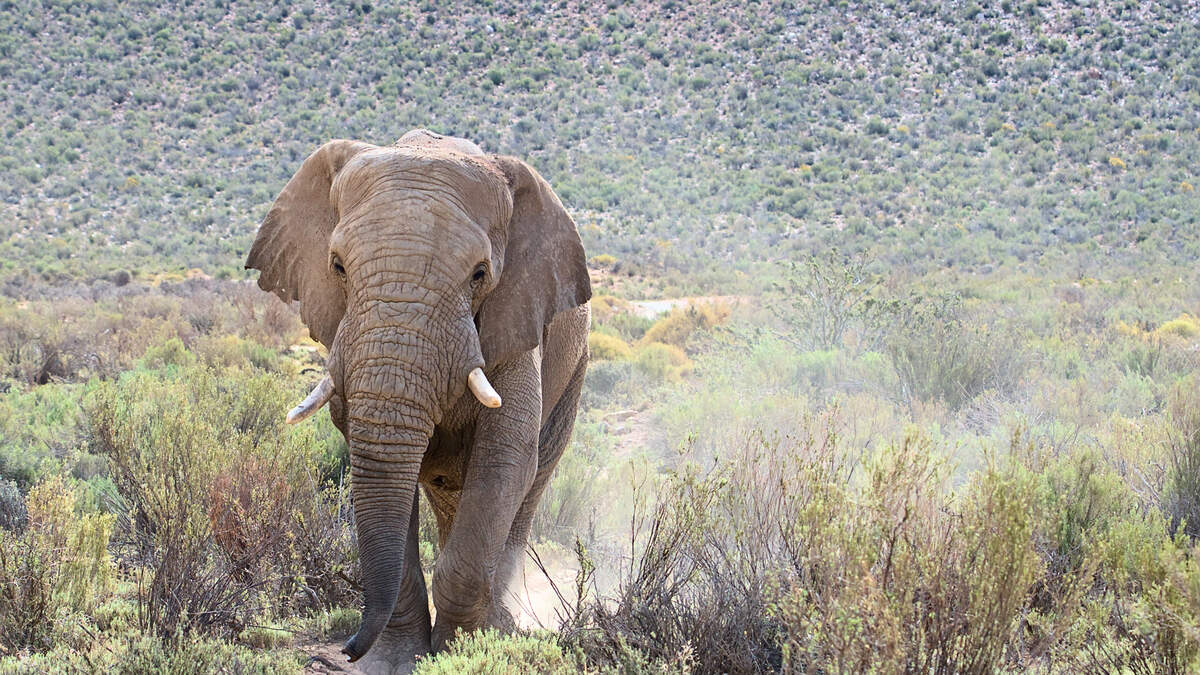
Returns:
(479, 385)
(319, 397)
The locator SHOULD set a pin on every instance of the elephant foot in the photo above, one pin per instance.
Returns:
(500, 618)
(393, 655)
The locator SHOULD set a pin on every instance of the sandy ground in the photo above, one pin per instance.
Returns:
(650, 309)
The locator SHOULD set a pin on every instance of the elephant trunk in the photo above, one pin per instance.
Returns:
(396, 384)
(384, 471)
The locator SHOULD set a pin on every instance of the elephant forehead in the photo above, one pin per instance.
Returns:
(406, 220)
(472, 185)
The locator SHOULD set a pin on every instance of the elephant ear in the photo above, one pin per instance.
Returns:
(292, 246)
(544, 270)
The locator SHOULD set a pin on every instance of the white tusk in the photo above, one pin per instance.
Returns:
(482, 389)
(319, 397)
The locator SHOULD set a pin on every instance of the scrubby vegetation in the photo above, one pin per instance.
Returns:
(1006, 482)
(926, 397)
(685, 138)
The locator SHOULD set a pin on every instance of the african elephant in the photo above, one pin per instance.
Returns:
(430, 269)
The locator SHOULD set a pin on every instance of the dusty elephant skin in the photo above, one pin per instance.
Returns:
(415, 265)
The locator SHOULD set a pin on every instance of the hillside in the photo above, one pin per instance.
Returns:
(151, 136)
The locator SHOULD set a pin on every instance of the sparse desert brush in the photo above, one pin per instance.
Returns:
(605, 347)
(797, 554)
(678, 326)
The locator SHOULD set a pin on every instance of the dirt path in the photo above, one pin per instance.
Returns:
(327, 657)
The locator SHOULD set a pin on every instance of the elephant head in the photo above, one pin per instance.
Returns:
(419, 266)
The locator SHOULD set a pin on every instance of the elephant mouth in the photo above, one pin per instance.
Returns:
(477, 382)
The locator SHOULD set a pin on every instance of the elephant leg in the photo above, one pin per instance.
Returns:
(552, 443)
(499, 474)
(407, 634)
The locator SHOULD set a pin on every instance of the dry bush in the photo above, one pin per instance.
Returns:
(707, 563)
(940, 354)
(605, 347)
(676, 328)
(788, 555)
(324, 552)
(917, 581)
(249, 502)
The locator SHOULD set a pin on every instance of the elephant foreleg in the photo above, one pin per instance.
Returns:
(499, 474)
(408, 631)
(555, 435)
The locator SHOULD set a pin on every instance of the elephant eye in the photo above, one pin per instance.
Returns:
(478, 275)
(336, 263)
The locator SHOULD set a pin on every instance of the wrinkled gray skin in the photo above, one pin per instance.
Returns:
(415, 264)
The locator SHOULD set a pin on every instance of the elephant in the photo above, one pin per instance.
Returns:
(451, 291)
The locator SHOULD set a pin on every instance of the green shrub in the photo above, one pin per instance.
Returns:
(170, 353)
(13, 513)
(40, 430)
(266, 637)
(138, 654)
(488, 652)
(1184, 326)
(822, 299)
(915, 581)
(662, 361)
(228, 351)
(604, 347)
(939, 354)
(59, 566)
(340, 623)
